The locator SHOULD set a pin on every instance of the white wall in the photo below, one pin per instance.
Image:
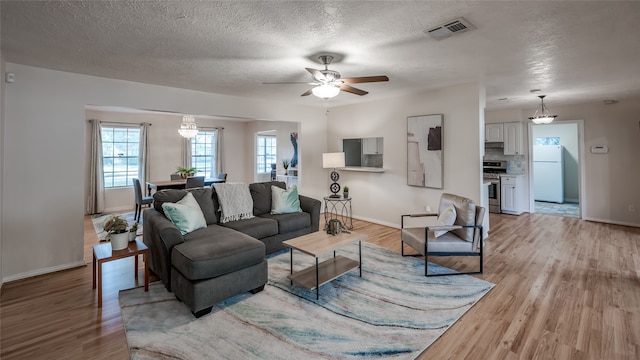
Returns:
(384, 197)
(43, 145)
(568, 134)
(611, 180)
(2, 85)
(165, 149)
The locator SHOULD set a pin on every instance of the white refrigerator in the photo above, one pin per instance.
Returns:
(548, 179)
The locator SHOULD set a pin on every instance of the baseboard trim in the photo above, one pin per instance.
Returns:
(37, 272)
(377, 221)
(608, 221)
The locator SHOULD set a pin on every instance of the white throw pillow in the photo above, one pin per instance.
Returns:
(446, 218)
(186, 214)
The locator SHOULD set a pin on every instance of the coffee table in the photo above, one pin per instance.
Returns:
(316, 244)
(103, 253)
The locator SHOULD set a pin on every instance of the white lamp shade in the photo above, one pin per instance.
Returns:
(325, 91)
(333, 160)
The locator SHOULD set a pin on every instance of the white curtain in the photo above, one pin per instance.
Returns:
(95, 200)
(143, 157)
(219, 155)
(186, 153)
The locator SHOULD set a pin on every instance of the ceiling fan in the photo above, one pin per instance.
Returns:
(328, 83)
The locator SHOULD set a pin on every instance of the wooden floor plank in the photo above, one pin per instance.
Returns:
(565, 289)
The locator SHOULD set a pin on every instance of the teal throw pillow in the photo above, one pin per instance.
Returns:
(186, 214)
(284, 201)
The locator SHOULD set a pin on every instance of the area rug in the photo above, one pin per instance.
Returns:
(393, 311)
(99, 219)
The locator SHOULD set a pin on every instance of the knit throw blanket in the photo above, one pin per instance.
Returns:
(235, 201)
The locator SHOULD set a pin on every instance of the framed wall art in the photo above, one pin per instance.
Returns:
(425, 166)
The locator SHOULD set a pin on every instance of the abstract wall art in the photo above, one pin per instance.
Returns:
(425, 165)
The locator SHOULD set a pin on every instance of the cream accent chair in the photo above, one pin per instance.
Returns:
(463, 238)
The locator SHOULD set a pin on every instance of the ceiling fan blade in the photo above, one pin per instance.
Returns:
(353, 90)
(307, 93)
(317, 74)
(285, 82)
(365, 79)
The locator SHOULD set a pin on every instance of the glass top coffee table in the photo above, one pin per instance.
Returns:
(318, 243)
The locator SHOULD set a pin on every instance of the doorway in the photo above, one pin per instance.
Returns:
(555, 168)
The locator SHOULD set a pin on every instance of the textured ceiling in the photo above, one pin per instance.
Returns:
(573, 51)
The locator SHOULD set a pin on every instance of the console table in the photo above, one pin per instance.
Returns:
(338, 208)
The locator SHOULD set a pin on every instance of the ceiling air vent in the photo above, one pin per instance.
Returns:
(453, 27)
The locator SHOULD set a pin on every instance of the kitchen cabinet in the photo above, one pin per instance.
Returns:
(512, 196)
(372, 146)
(513, 138)
(494, 133)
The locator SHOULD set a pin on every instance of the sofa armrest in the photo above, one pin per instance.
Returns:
(311, 206)
(160, 235)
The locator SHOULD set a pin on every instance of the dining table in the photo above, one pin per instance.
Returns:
(158, 185)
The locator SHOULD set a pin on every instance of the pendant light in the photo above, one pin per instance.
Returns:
(544, 117)
(188, 128)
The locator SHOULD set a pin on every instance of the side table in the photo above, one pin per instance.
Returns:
(338, 208)
(103, 253)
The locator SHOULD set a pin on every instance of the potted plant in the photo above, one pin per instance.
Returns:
(186, 172)
(345, 192)
(285, 165)
(116, 226)
(133, 231)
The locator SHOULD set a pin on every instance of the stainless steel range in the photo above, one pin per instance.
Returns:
(491, 171)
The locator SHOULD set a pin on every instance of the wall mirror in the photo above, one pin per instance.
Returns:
(363, 152)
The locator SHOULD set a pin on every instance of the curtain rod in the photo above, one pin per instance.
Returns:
(210, 128)
(118, 122)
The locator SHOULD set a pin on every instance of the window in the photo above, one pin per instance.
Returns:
(203, 153)
(120, 155)
(266, 153)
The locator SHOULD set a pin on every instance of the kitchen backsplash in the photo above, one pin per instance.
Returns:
(516, 164)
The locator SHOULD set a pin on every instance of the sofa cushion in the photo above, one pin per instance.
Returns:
(290, 222)
(216, 251)
(261, 194)
(284, 201)
(258, 227)
(204, 197)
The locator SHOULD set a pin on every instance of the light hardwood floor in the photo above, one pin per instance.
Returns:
(565, 289)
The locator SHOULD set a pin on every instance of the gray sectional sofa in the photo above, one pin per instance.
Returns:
(222, 260)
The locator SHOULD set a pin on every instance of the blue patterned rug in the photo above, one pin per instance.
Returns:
(393, 311)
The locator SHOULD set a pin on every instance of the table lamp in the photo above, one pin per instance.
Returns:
(333, 160)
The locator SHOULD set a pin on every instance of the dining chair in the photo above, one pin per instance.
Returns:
(222, 176)
(140, 200)
(194, 182)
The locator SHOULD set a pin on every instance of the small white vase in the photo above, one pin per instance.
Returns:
(132, 235)
(119, 241)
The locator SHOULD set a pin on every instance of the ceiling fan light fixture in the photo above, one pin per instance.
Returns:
(544, 117)
(326, 91)
(188, 128)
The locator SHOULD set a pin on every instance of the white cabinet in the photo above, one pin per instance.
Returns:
(513, 138)
(372, 146)
(512, 197)
(494, 133)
